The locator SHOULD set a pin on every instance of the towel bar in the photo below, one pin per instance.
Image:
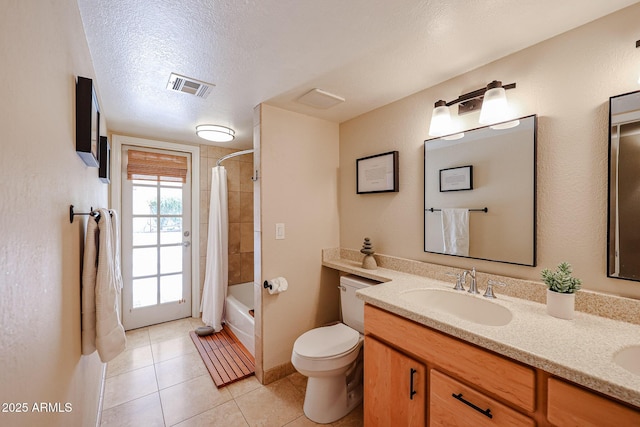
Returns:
(485, 210)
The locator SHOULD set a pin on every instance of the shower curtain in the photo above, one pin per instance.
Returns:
(217, 267)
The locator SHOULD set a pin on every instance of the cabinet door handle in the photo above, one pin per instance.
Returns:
(485, 412)
(411, 390)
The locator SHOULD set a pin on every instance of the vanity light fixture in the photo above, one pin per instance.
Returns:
(491, 100)
(215, 133)
(440, 119)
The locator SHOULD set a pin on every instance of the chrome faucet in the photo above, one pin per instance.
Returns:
(490, 284)
(473, 286)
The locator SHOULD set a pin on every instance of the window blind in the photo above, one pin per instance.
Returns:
(148, 166)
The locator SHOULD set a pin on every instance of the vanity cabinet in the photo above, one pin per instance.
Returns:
(569, 405)
(460, 384)
(451, 403)
(400, 387)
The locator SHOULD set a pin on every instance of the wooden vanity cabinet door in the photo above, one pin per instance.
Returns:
(454, 404)
(394, 387)
(568, 405)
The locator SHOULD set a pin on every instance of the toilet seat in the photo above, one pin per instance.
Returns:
(326, 342)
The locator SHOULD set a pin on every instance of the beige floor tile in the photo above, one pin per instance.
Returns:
(196, 322)
(169, 330)
(171, 348)
(130, 360)
(145, 411)
(179, 369)
(299, 381)
(128, 386)
(354, 419)
(273, 405)
(226, 415)
(190, 398)
(137, 338)
(305, 422)
(243, 386)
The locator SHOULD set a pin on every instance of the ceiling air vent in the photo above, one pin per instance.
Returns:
(188, 85)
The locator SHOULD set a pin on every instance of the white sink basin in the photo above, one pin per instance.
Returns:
(629, 359)
(462, 305)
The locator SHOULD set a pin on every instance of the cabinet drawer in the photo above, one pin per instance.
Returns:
(505, 378)
(452, 403)
(569, 405)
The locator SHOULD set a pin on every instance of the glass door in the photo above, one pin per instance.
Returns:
(156, 245)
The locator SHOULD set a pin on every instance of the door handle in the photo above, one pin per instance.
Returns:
(186, 244)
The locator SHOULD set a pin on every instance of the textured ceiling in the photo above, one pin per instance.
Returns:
(368, 52)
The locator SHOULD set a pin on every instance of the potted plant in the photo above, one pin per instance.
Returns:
(561, 290)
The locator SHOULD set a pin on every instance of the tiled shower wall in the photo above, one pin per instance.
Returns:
(240, 189)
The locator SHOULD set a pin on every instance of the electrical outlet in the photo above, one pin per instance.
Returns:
(280, 231)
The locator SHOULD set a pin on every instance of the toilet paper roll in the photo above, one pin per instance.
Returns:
(277, 285)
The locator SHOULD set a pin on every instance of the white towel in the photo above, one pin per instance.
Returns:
(455, 231)
(110, 336)
(89, 270)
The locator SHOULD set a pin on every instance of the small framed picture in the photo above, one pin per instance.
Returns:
(87, 122)
(105, 163)
(456, 179)
(377, 174)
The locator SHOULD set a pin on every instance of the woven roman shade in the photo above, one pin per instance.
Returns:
(148, 166)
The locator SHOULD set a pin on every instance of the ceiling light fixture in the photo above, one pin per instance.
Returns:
(491, 100)
(215, 133)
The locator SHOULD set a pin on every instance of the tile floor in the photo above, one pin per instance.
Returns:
(160, 380)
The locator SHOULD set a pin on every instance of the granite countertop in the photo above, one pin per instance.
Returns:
(579, 350)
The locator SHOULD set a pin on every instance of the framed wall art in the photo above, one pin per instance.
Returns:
(377, 174)
(87, 122)
(456, 179)
(105, 160)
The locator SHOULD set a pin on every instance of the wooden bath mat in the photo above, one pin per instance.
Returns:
(225, 357)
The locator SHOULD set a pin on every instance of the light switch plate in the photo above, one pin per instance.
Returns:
(280, 231)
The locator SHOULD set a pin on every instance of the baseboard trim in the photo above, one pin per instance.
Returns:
(277, 373)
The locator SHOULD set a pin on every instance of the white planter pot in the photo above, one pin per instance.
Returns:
(560, 305)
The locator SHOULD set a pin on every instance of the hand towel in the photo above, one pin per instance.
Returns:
(455, 231)
(110, 336)
(89, 270)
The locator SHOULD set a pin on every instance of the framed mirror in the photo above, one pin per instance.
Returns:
(489, 177)
(623, 235)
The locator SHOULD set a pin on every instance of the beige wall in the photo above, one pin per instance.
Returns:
(567, 82)
(240, 199)
(298, 187)
(43, 48)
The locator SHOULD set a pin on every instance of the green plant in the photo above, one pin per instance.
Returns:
(561, 280)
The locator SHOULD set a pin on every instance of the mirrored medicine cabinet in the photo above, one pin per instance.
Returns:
(623, 236)
(491, 171)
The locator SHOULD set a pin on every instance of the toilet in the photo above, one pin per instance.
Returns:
(332, 358)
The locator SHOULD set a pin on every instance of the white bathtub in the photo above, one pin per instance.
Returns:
(238, 303)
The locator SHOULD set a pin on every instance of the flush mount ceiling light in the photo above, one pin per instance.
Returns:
(491, 100)
(215, 133)
(321, 99)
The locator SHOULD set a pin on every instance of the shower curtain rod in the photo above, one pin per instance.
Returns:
(237, 153)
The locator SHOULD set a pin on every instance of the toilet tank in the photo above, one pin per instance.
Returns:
(352, 307)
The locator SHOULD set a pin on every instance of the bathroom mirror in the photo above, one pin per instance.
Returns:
(500, 162)
(623, 242)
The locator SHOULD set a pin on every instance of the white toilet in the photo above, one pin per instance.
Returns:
(331, 356)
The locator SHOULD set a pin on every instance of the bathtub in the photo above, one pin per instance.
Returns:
(237, 305)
